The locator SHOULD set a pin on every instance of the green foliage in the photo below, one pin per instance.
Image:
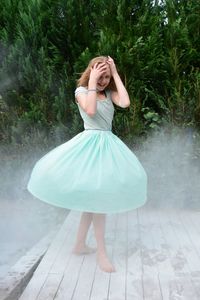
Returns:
(45, 45)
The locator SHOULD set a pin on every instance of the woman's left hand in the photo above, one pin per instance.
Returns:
(113, 68)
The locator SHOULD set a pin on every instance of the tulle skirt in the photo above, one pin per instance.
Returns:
(92, 172)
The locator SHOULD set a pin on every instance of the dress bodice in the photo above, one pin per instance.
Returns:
(102, 120)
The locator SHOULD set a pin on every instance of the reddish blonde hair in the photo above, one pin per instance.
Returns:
(83, 80)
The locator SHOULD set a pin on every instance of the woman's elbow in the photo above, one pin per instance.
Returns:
(90, 113)
(124, 105)
(128, 104)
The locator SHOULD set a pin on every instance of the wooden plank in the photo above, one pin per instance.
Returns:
(117, 289)
(189, 290)
(63, 256)
(134, 289)
(186, 238)
(100, 285)
(180, 285)
(156, 255)
(85, 278)
(69, 226)
(191, 223)
(171, 273)
(170, 281)
(50, 287)
(191, 246)
(150, 278)
(55, 274)
(70, 278)
(161, 255)
(37, 282)
(33, 288)
(72, 272)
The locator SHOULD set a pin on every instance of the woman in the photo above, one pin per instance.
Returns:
(94, 172)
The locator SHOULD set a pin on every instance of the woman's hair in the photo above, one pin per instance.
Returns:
(83, 80)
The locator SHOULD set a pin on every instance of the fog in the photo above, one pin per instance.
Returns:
(24, 220)
(169, 156)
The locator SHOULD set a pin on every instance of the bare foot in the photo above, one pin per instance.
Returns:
(104, 263)
(80, 250)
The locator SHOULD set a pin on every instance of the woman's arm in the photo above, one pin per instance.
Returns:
(119, 97)
(88, 101)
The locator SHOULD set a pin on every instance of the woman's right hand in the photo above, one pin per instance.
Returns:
(97, 70)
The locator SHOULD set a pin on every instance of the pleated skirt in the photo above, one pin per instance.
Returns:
(92, 172)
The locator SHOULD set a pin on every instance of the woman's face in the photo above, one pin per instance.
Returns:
(104, 80)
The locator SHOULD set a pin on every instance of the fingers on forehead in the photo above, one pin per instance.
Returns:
(97, 64)
(103, 66)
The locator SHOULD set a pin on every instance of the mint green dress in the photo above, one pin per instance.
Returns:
(92, 172)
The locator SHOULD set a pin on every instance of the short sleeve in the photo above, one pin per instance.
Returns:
(80, 90)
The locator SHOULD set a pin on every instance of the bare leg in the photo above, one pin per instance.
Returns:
(99, 229)
(80, 245)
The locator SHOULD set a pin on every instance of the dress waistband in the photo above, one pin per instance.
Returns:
(98, 129)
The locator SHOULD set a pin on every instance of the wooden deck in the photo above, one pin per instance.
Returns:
(156, 254)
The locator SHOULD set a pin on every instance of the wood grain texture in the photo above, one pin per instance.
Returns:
(155, 252)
